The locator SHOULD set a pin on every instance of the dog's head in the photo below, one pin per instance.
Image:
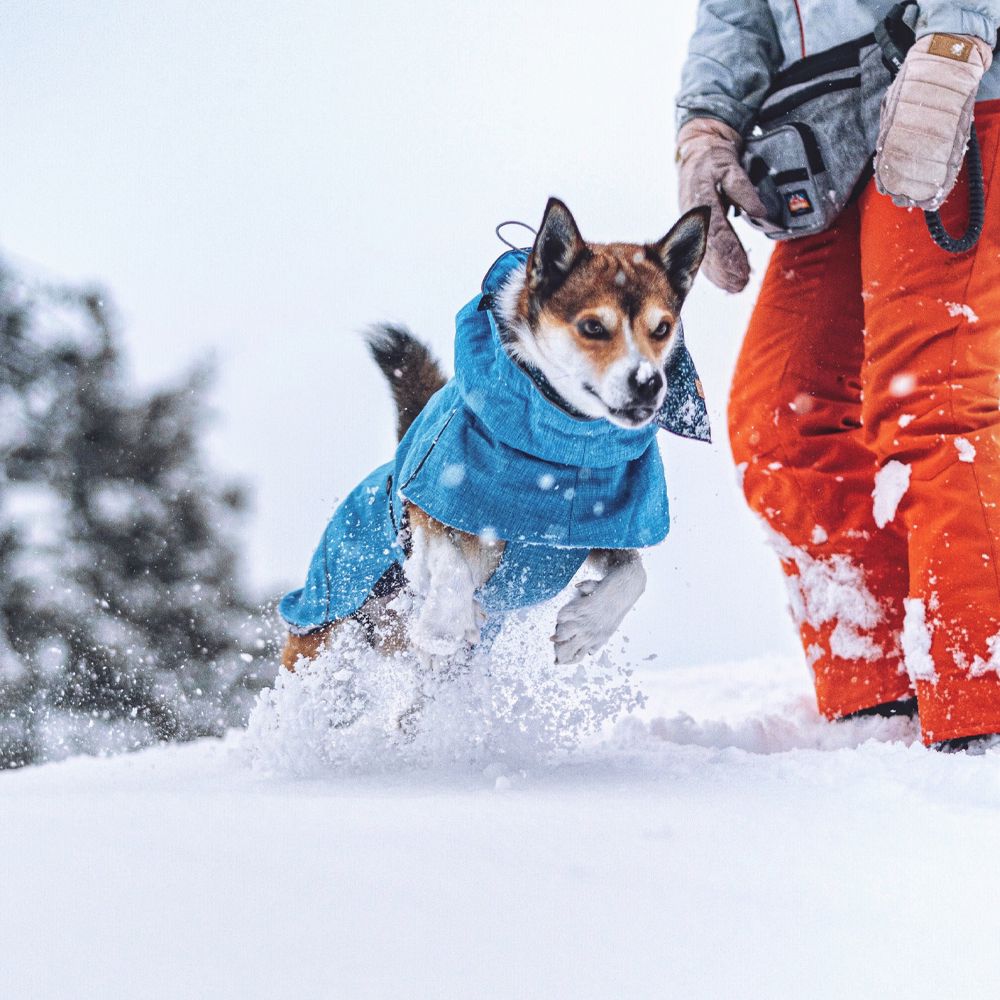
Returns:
(600, 320)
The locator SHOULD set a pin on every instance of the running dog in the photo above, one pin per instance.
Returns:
(537, 457)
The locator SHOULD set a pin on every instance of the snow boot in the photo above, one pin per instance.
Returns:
(974, 746)
(889, 709)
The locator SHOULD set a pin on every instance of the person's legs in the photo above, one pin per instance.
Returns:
(795, 426)
(932, 403)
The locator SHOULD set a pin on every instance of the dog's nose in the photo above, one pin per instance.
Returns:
(645, 386)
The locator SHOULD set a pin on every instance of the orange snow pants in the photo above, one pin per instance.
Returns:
(865, 418)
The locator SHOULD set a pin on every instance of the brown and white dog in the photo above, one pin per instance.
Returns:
(599, 322)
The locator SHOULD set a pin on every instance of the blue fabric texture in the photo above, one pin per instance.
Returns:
(490, 454)
(358, 547)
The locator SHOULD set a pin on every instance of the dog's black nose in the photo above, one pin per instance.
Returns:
(647, 388)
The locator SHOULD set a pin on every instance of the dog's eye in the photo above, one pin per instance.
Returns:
(593, 329)
(662, 331)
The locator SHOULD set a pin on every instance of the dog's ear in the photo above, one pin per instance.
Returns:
(558, 247)
(682, 250)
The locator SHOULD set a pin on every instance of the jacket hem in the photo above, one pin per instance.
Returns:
(731, 113)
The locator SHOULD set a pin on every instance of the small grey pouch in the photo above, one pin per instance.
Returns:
(809, 152)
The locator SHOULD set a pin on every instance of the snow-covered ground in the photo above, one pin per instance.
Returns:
(742, 849)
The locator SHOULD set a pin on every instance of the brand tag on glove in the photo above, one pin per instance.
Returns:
(959, 49)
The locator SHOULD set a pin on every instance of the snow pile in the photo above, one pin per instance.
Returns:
(979, 665)
(797, 727)
(832, 590)
(956, 309)
(891, 483)
(507, 707)
(917, 641)
(966, 450)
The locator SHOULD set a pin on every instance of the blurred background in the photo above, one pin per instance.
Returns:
(249, 185)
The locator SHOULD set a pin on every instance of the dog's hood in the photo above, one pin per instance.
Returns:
(683, 412)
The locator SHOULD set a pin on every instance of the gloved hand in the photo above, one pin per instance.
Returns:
(927, 119)
(710, 174)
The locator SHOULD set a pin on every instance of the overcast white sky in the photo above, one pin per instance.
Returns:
(262, 180)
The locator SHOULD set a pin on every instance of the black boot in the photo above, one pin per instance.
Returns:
(904, 706)
(974, 746)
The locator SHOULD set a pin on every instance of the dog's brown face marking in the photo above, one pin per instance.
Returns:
(600, 320)
(615, 299)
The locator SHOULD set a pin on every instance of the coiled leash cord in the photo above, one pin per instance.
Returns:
(977, 205)
(896, 38)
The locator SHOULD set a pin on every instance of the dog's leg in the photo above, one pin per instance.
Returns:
(588, 620)
(304, 647)
(444, 569)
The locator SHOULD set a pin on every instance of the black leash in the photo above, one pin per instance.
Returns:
(896, 38)
(977, 205)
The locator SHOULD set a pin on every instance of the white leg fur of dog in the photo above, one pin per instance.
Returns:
(442, 577)
(587, 621)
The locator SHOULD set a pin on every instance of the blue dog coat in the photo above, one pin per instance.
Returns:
(491, 455)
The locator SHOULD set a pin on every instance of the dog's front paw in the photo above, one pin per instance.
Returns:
(582, 625)
(587, 621)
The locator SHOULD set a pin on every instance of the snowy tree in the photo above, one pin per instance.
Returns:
(122, 619)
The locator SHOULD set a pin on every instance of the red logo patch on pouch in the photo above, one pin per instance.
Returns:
(798, 203)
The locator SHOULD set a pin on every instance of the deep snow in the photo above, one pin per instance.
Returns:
(743, 848)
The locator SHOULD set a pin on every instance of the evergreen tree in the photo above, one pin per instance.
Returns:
(122, 621)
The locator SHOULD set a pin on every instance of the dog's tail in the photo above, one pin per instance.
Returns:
(412, 372)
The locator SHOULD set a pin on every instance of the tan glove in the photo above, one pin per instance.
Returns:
(710, 174)
(927, 118)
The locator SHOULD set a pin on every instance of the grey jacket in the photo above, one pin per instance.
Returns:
(738, 45)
